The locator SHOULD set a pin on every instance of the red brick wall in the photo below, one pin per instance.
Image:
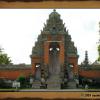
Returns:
(90, 73)
(14, 74)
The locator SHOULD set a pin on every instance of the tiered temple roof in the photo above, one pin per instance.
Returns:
(54, 26)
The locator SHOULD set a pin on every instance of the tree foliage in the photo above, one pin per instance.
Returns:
(4, 59)
(22, 81)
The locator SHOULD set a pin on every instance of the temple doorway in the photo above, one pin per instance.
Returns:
(54, 65)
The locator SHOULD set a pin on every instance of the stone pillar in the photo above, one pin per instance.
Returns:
(44, 75)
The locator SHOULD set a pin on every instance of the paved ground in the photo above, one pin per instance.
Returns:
(58, 90)
(50, 94)
(51, 90)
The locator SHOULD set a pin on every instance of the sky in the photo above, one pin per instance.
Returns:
(19, 29)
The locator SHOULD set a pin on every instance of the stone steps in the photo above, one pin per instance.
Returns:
(36, 84)
(53, 82)
(71, 85)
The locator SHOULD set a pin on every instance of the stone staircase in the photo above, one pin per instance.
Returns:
(53, 82)
(36, 84)
(71, 84)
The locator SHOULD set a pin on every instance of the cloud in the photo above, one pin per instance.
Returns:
(89, 26)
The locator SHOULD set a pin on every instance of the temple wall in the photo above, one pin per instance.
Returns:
(90, 73)
(14, 74)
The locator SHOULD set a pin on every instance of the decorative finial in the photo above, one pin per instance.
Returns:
(86, 58)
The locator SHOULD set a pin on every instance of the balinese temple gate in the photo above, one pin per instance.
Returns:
(54, 57)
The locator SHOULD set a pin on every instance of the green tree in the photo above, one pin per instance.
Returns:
(22, 81)
(4, 59)
(99, 52)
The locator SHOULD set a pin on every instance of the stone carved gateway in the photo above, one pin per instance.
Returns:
(55, 52)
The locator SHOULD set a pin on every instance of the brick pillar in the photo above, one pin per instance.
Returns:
(33, 68)
(46, 52)
(76, 66)
(61, 54)
(61, 58)
(74, 61)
